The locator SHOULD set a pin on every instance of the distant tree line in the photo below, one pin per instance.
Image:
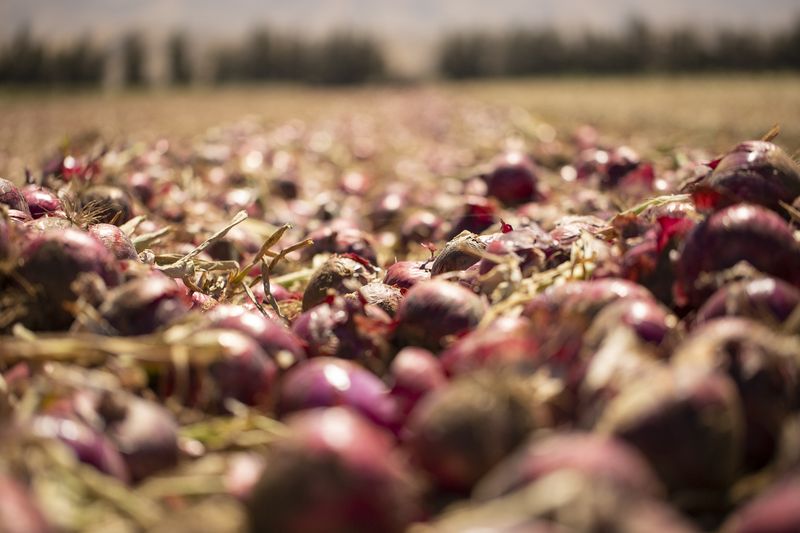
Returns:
(342, 57)
(531, 52)
(349, 58)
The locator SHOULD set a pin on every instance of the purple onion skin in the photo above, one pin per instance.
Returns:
(595, 456)
(274, 338)
(741, 232)
(145, 433)
(459, 432)
(774, 511)
(506, 341)
(89, 446)
(415, 373)
(144, 305)
(513, 179)
(41, 201)
(53, 260)
(477, 215)
(765, 373)
(18, 510)
(335, 472)
(11, 196)
(433, 310)
(530, 244)
(406, 274)
(689, 428)
(115, 240)
(756, 172)
(331, 382)
(769, 300)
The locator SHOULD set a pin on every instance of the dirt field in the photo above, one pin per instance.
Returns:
(708, 112)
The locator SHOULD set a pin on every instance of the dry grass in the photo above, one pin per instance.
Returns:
(709, 112)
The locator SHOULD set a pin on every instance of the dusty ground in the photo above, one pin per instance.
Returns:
(708, 112)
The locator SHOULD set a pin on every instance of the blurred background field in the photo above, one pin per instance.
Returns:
(650, 112)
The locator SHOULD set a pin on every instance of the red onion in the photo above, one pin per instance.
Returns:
(42, 202)
(506, 341)
(769, 300)
(651, 322)
(280, 344)
(689, 427)
(596, 456)
(341, 240)
(328, 382)
(459, 432)
(459, 253)
(145, 433)
(738, 233)
(344, 328)
(340, 274)
(51, 262)
(385, 297)
(513, 179)
(764, 368)
(756, 172)
(419, 227)
(475, 215)
(434, 310)
(415, 373)
(90, 446)
(335, 472)
(243, 373)
(405, 274)
(144, 305)
(107, 204)
(115, 240)
(11, 196)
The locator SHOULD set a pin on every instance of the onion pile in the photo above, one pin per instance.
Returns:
(338, 327)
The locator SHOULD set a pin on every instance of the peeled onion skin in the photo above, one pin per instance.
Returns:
(334, 472)
(340, 274)
(433, 310)
(741, 232)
